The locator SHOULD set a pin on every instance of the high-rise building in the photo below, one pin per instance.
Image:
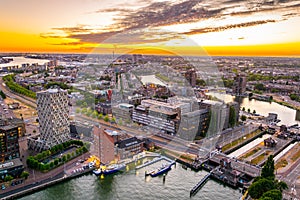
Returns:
(191, 76)
(53, 114)
(9, 144)
(239, 86)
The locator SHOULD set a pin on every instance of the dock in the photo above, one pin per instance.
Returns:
(157, 159)
(199, 184)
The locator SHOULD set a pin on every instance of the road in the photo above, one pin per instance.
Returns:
(26, 100)
(161, 140)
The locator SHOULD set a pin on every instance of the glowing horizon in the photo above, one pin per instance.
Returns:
(224, 28)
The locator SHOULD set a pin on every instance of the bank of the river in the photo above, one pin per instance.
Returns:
(133, 184)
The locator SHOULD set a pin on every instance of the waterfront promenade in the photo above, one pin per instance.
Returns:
(37, 179)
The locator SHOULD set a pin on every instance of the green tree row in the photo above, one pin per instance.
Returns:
(94, 114)
(12, 85)
(295, 97)
(61, 85)
(260, 77)
(35, 164)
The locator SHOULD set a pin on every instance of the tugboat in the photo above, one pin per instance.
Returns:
(109, 169)
(164, 168)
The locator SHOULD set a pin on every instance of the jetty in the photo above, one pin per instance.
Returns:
(157, 159)
(200, 184)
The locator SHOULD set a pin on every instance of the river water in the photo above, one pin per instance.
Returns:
(285, 114)
(133, 185)
(22, 60)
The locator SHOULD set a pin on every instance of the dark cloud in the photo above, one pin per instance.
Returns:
(71, 30)
(126, 37)
(67, 43)
(155, 14)
(223, 28)
(122, 10)
(165, 13)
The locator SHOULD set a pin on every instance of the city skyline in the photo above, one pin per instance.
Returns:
(227, 27)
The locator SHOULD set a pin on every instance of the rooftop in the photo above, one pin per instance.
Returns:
(129, 142)
(11, 163)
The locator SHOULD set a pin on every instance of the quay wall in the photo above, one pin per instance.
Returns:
(44, 185)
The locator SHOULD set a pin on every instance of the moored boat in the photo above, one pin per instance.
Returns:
(161, 170)
(114, 168)
(109, 169)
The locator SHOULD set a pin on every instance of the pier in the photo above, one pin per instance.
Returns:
(250, 170)
(199, 184)
(157, 159)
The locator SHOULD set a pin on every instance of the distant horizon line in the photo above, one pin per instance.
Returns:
(171, 55)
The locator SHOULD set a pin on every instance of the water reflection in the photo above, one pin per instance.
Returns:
(285, 114)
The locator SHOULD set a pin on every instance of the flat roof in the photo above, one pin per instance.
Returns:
(55, 90)
(111, 132)
(11, 163)
(7, 127)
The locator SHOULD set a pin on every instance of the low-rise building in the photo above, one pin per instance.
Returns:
(123, 112)
(12, 167)
(129, 147)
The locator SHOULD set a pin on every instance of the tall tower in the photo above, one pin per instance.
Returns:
(239, 86)
(53, 113)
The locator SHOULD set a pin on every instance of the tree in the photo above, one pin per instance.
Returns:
(259, 86)
(24, 174)
(100, 116)
(243, 118)
(232, 116)
(56, 162)
(47, 166)
(8, 178)
(84, 149)
(106, 118)
(64, 158)
(84, 104)
(268, 169)
(280, 185)
(95, 114)
(83, 110)
(89, 112)
(200, 82)
(51, 165)
(254, 111)
(273, 194)
(2, 94)
(243, 109)
(258, 188)
(68, 156)
(78, 110)
(248, 110)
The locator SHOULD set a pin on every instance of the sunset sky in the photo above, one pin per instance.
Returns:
(220, 27)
